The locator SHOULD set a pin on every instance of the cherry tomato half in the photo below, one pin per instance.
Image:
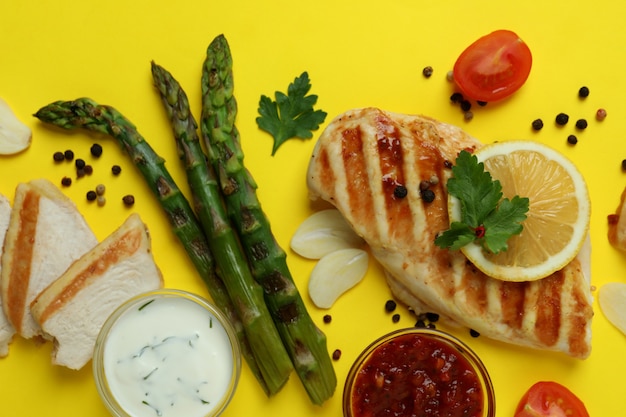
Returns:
(493, 67)
(550, 399)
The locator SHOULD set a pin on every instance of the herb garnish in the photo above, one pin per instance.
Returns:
(291, 115)
(486, 217)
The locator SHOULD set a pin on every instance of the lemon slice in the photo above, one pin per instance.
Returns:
(558, 216)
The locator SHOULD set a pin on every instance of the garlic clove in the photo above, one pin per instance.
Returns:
(324, 232)
(612, 301)
(15, 136)
(336, 273)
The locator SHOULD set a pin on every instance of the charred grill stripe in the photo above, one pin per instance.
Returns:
(548, 322)
(359, 194)
(512, 300)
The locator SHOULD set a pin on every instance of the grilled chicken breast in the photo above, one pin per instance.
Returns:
(366, 160)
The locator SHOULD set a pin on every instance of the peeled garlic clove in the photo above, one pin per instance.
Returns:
(15, 136)
(324, 232)
(335, 274)
(612, 300)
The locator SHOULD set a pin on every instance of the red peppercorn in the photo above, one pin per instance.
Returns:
(336, 354)
(601, 114)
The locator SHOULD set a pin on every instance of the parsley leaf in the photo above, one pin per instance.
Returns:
(486, 217)
(291, 115)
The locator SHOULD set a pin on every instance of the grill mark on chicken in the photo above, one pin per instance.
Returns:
(548, 323)
(378, 151)
(22, 259)
(357, 178)
(125, 246)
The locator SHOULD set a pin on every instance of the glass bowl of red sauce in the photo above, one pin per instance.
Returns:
(418, 372)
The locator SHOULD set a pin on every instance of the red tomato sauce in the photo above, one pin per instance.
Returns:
(416, 375)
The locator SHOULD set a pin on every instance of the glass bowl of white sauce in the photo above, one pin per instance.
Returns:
(167, 353)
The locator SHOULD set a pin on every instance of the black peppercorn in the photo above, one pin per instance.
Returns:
(400, 191)
(432, 317)
(69, 155)
(456, 97)
(474, 333)
(336, 354)
(581, 124)
(427, 71)
(390, 305)
(583, 92)
(128, 199)
(116, 169)
(58, 157)
(395, 318)
(66, 181)
(80, 163)
(562, 119)
(537, 124)
(466, 105)
(327, 318)
(624, 165)
(481, 103)
(572, 140)
(88, 169)
(91, 195)
(96, 150)
(428, 195)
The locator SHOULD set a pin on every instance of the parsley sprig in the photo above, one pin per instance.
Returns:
(291, 115)
(486, 217)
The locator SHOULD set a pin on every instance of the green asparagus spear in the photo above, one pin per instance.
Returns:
(270, 353)
(87, 114)
(305, 343)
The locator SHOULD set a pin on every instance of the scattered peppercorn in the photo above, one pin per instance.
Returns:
(96, 150)
(336, 354)
(537, 124)
(432, 317)
(88, 169)
(583, 92)
(424, 185)
(80, 172)
(69, 155)
(466, 105)
(100, 188)
(448, 164)
(66, 181)
(400, 191)
(601, 114)
(101, 200)
(572, 139)
(327, 318)
(395, 318)
(420, 324)
(116, 169)
(581, 124)
(482, 103)
(450, 75)
(128, 200)
(91, 195)
(80, 163)
(456, 97)
(427, 71)
(428, 196)
(562, 119)
(624, 165)
(390, 305)
(58, 157)
(474, 333)
(468, 115)
(434, 179)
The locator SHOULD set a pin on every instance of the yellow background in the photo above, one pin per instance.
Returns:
(358, 53)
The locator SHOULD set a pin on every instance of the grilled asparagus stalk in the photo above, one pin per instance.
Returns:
(305, 343)
(87, 114)
(270, 353)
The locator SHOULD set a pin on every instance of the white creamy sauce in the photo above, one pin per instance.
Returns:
(169, 357)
